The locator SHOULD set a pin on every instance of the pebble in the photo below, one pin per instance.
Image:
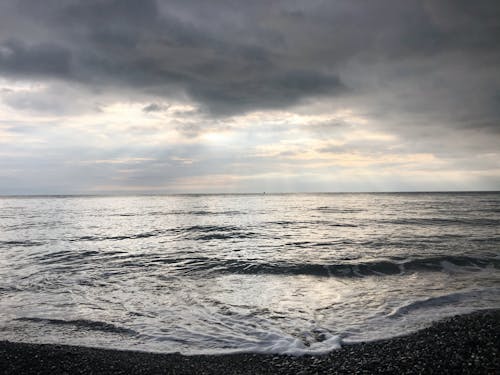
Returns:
(467, 344)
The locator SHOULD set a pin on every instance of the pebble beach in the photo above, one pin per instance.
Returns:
(464, 344)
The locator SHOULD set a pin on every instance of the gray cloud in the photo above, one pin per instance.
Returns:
(154, 107)
(234, 57)
(45, 59)
(424, 71)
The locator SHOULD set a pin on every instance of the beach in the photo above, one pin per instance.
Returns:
(239, 284)
(249, 187)
(465, 344)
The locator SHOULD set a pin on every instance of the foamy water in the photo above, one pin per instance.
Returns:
(289, 274)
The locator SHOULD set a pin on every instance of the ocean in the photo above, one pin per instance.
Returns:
(279, 273)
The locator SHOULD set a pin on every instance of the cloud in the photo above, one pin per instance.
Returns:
(115, 44)
(275, 91)
(309, 83)
(45, 59)
(234, 58)
(153, 107)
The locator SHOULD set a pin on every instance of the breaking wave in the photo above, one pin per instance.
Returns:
(361, 269)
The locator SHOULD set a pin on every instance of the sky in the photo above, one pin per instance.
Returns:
(195, 96)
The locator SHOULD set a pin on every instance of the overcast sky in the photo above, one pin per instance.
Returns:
(126, 96)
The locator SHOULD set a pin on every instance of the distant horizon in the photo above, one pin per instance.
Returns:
(248, 193)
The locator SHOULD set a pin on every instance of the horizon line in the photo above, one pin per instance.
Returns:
(116, 194)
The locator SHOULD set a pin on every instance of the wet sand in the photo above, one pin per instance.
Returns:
(467, 344)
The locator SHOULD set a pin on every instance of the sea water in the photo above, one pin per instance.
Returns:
(285, 273)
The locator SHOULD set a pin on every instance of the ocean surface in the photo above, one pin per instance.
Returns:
(290, 273)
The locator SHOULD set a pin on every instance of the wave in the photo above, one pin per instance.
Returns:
(360, 269)
(225, 236)
(196, 213)
(118, 238)
(344, 269)
(438, 301)
(315, 222)
(26, 243)
(443, 221)
(213, 232)
(336, 210)
(180, 212)
(195, 232)
(85, 324)
(208, 228)
(320, 343)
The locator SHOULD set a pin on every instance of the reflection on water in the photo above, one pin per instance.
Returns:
(283, 273)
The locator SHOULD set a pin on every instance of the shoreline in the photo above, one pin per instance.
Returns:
(463, 344)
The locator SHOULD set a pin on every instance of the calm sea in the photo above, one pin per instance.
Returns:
(291, 273)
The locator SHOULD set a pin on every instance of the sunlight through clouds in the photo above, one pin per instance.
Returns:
(295, 101)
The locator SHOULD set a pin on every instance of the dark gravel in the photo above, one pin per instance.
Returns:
(467, 344)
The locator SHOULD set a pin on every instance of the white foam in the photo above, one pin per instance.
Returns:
(285, 344)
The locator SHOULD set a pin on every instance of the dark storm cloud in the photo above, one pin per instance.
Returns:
(149, 46)
(43, 59)
(274, 91)
(231, 57)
